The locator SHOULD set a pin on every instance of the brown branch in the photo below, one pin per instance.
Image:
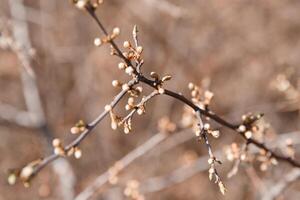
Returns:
(186, 101)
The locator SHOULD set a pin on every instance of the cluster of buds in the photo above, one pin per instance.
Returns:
(159, 81)
(83, 4)
(25, 174)
(79, 127)
(113, 173)
(133, 92)
(208, 130)
(58, 147)
(249, 125)
(107, 39)
(61, 151)
(234, 152)
(200, 97)
(140, 108)
(117, 121)
(133, 52)
(266, 160)
(213, 174)
(288, 90)
(165, 125)
(114, 118)
(132, 190)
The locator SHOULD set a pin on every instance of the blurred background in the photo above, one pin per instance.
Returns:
(248, 52)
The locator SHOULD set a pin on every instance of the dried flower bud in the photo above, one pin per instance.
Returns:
(166, 78)
(97, 42)
(222, 187)
(154, 75)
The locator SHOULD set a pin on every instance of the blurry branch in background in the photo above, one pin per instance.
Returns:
(34, 117)
(111, 174)
(183, 173)
(276, 190)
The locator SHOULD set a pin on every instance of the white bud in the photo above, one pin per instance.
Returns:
(75, 130)
(126, 44)
(129, 70)
(191, 86)
(116, 31)
(139, 49)
(26, 172)
(242, 128)
(121, 65)
(97, 42)
(215, 133)
(161, 90)
(206, 126)
(139, 89)
(56, 142)
(140, 111)
(115, 83)
(125, 86)
(248, 134)
(77, 153)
